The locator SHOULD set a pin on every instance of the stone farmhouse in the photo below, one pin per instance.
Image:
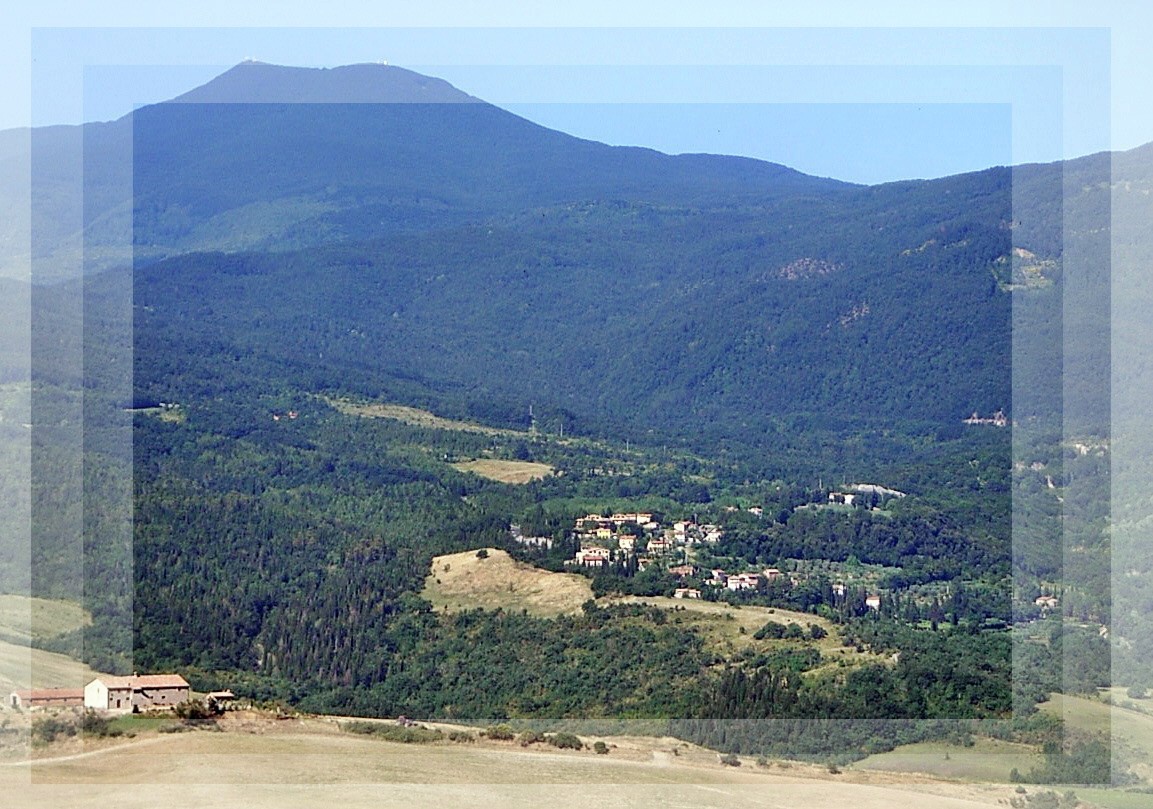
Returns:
(138, 692)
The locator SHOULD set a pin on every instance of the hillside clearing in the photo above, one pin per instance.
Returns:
(988, 760)
(518, 472)
(414, 416)
(462, 581)
(22, 617)
(23, 667)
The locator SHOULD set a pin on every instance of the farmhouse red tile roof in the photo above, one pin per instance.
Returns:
(51, 693)
(145, 681)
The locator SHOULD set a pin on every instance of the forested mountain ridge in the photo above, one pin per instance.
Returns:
(482, 253)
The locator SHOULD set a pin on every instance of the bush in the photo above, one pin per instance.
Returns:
(1136, 692)
(772, 630)
(93, 724)
(46, 730)
(600, 748)
(394, 733)
(565, 741)
(502, 733)
(730, 760)
(460, 736)
(530, 737)
(193, 710)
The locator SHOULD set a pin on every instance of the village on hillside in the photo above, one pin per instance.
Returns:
(629, 543)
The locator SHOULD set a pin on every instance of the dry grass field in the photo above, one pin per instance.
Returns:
(413, 416)
(21, 666)
(460, 581)
(518, 472)
(258, 762)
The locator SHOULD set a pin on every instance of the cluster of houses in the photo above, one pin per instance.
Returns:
(603, 540)
(134, 693)
(641, 539)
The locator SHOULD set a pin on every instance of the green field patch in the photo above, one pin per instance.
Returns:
(987, 761)
(1114, 798)
(1131, 730)
(140, 723)
(23, 618)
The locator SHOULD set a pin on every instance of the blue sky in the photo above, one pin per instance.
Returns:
(864, 92)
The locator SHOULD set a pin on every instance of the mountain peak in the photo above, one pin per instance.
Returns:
(252, 82)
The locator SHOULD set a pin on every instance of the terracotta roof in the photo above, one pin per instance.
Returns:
(145, 681)
(50, 693)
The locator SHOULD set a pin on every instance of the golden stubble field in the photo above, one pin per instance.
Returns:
(515, 472)
(462, 581)
(256, 762)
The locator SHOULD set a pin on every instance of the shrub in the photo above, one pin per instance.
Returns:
(460, 736)
(771, 630)
(730, 760)
(565, 741)
(502, 733)
(530, 737)
(394, 733)
(600, 748)
(93, 724)
(193, 710)
(47, 729)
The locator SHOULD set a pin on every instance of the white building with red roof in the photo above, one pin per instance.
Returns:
(137, 692)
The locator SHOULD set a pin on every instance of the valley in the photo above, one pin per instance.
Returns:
(427, 411)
